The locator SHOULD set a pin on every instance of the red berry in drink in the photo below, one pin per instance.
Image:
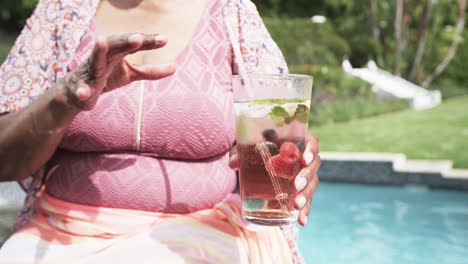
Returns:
(289, 152)
(286, 164)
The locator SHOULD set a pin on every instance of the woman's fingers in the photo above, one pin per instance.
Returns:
(106, 68)
(151, 42)
(306, 194)
(108, 52)
(311, 150)
(306, 182)
(150, 71)
(305, 176)
(304, 198)
(89, 73)
(83, 93)
(122, 45)
(98, 61)
(304, 213)
(308, 155)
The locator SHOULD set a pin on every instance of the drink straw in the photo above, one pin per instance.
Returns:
(280, 195)
(237, 53)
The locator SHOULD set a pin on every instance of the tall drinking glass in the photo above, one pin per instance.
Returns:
(272, 115)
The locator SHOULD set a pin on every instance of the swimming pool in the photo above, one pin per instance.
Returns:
(373, 224)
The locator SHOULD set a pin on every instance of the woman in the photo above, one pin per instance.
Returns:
(130, 158)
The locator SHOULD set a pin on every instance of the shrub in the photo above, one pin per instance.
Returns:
(303, 42)
(347, 109)
(456, 70)
(13, 14)
(363, 48)
(5, 46)
(449, 88)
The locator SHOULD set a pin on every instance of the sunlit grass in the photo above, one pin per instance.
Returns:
(440, 133)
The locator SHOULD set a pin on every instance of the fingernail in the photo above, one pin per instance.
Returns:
(162, 38)
(304, 219)
(308, 157)
(135, 37)
(300, 183)
(82, 94)
(301, 201)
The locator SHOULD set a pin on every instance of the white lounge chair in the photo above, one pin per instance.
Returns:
(387, 84)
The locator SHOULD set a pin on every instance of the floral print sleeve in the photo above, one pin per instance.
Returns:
(40, 56)
(27, 72)
(42, 51)
(260, 53)
(29, 68)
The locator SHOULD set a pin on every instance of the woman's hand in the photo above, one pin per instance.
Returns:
(306, 180)
(34, 132)
(107, 69)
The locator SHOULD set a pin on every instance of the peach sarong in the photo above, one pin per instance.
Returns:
(63, 232)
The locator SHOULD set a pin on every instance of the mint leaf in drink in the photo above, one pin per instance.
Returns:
(279, 115)
(278, 101)
(301, 114)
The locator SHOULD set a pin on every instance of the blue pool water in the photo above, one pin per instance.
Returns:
(372, 224)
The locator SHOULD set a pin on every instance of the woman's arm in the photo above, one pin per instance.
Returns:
(29, 137)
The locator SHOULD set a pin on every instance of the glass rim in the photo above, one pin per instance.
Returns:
(278, 76)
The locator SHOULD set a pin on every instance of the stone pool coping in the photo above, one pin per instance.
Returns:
(390, 169)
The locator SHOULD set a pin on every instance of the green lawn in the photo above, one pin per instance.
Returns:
(440, 133)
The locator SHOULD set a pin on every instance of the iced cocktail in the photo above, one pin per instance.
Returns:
(272, 115)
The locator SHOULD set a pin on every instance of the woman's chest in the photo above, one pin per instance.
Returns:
(188, 115)
(167, 18)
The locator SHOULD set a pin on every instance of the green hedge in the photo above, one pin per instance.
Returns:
(13, 14)
(347, 109)
(6, 41)
(304, 42)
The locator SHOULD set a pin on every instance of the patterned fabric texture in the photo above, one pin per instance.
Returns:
(185, 129)
(63, 232)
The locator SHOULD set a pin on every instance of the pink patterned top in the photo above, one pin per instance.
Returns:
(171, 135)
(185, 129)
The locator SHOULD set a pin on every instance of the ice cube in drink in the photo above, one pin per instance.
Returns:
(270, 138)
